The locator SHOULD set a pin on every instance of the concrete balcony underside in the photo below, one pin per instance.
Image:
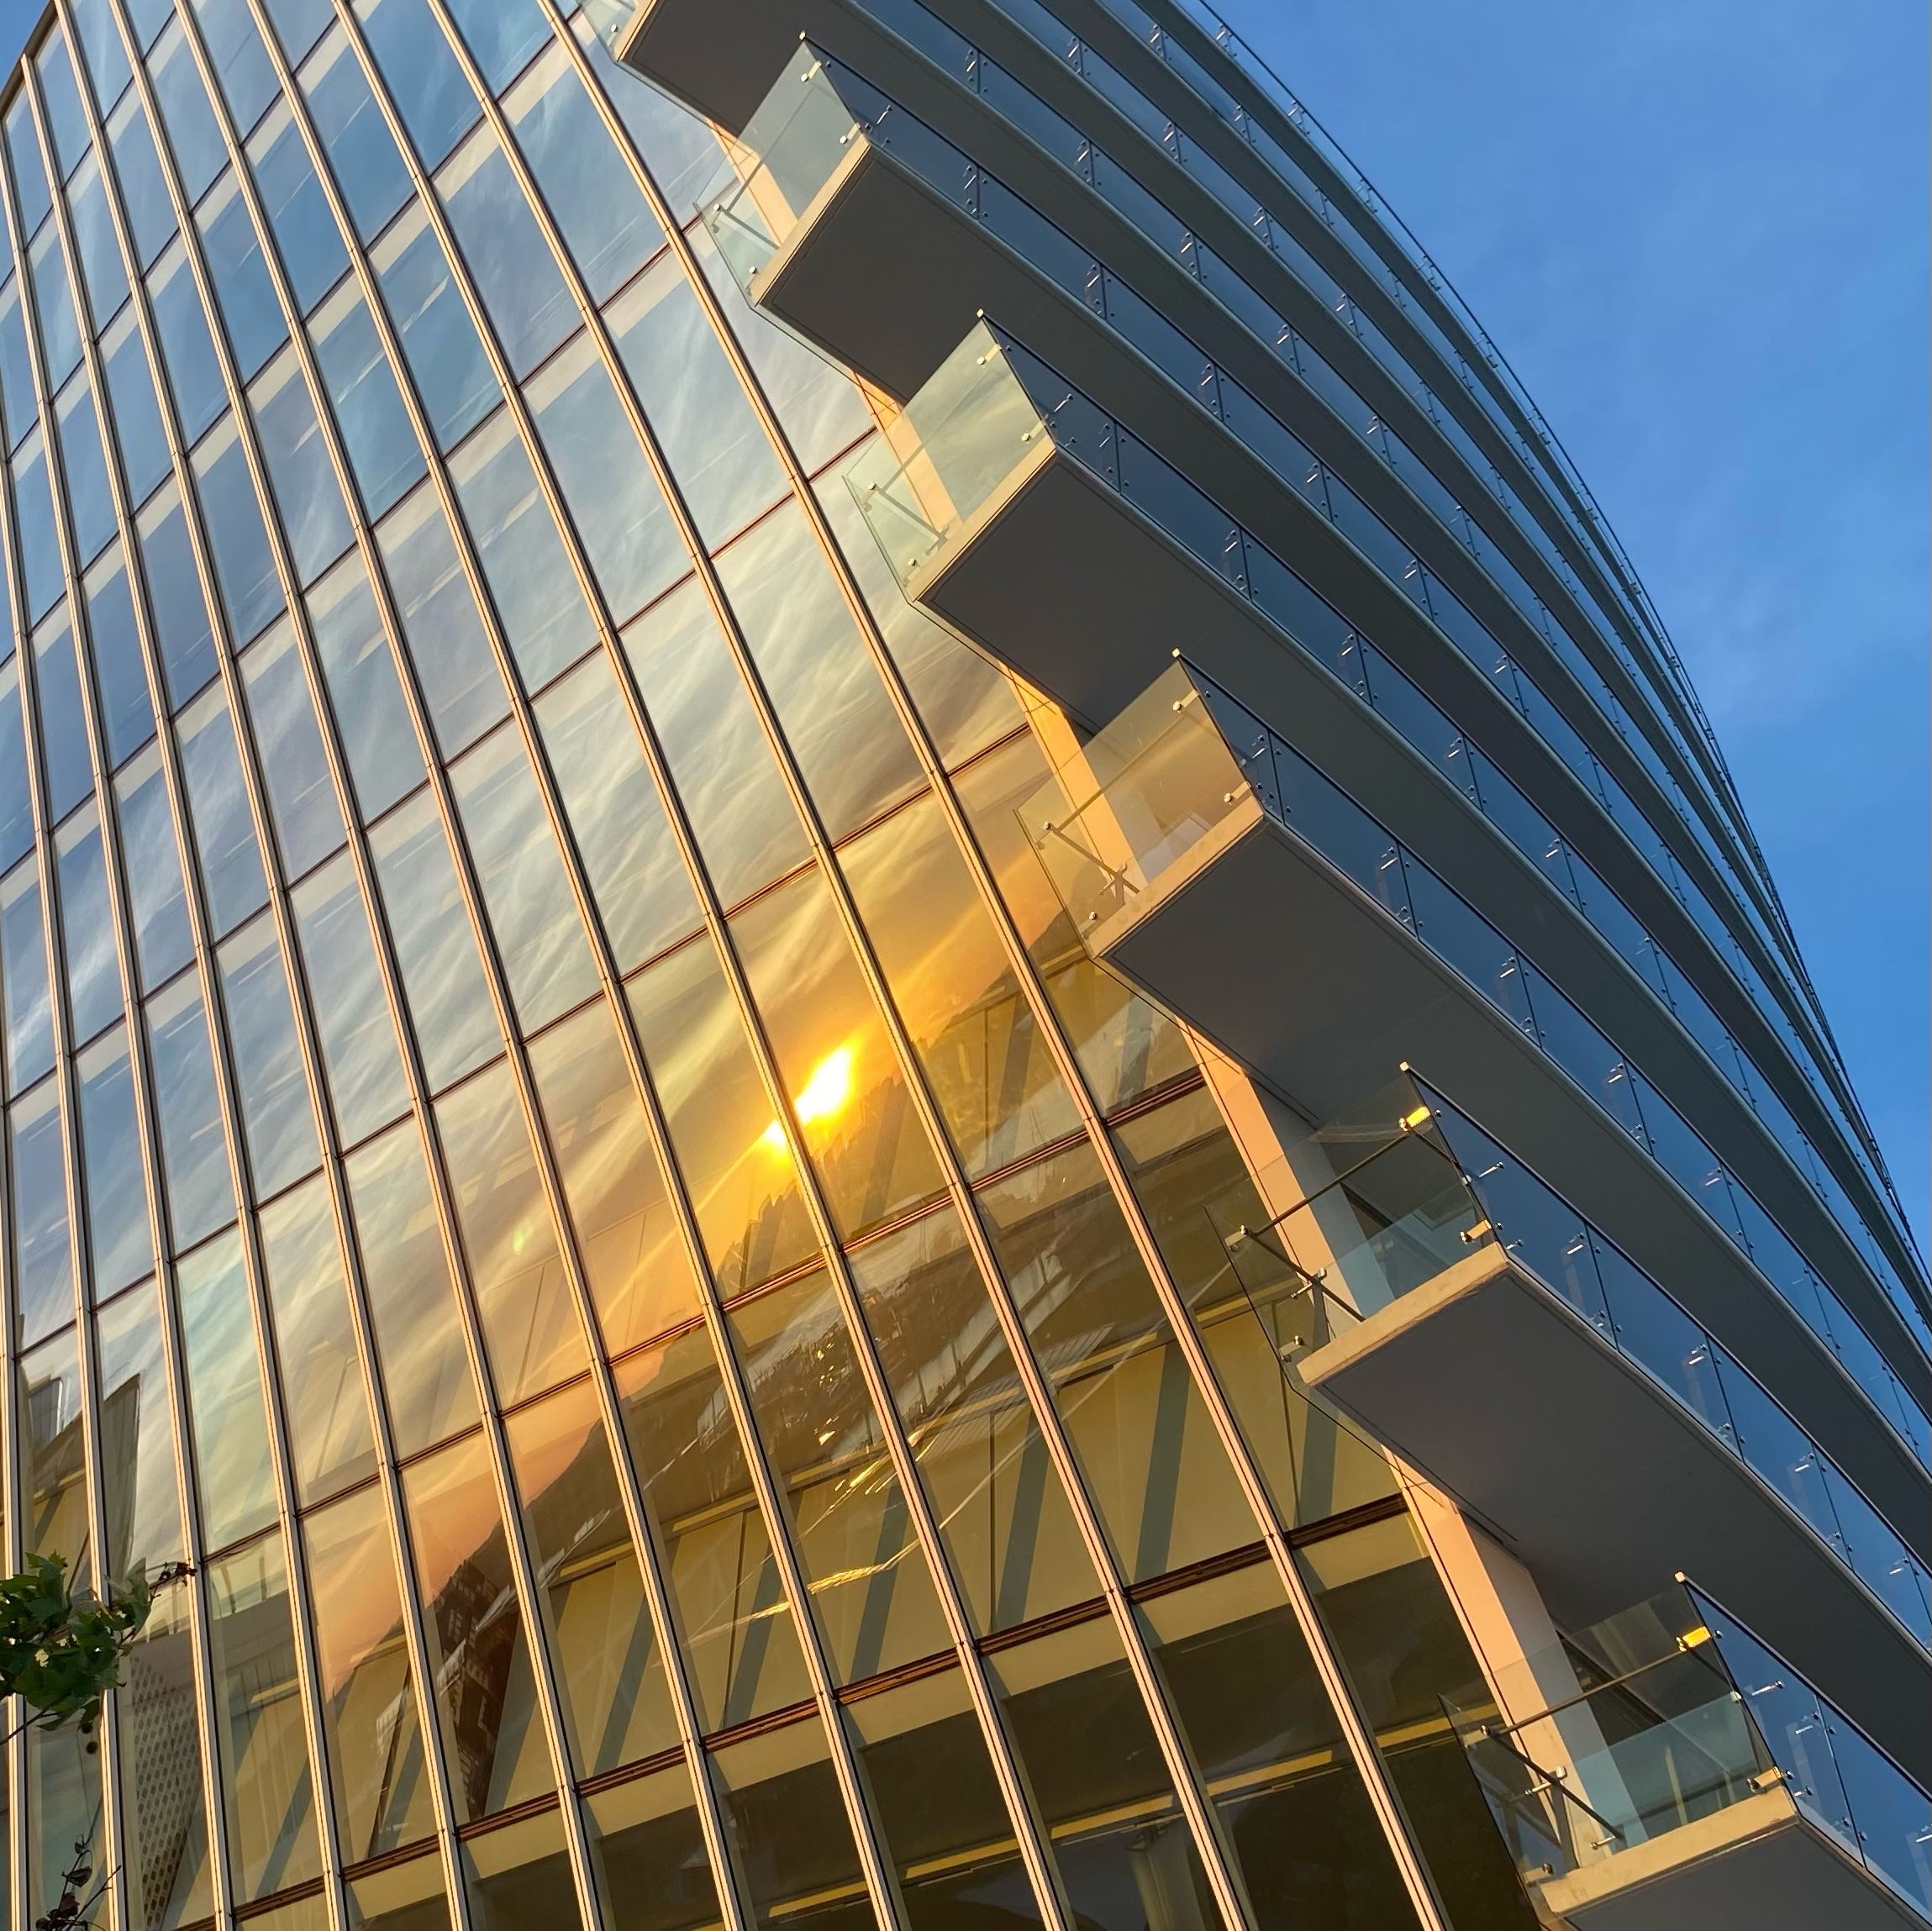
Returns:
(1753, 1866)
(719, 60)
(885, 276)
(1488, 1381)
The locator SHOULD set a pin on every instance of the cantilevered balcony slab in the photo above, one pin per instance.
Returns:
(1750, 1866)
(719, 60)
(1488, 1381)
(851, 223)
(1217, 868)
(1008, 505)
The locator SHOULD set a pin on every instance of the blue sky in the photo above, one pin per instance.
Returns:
(1698, 233)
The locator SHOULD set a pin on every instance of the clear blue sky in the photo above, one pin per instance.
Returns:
(1698, 231)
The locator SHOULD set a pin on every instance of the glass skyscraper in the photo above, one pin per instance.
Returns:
(882, 1026)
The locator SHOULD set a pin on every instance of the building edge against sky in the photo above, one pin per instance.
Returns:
(880, 1023)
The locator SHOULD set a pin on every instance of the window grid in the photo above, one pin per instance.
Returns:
(512, 1050)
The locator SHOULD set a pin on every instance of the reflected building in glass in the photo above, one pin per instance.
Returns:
(882, 1026)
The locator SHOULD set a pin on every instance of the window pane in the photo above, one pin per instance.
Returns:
(233, 1466)
(544, 617)
(871, 1591)
(634, 549)
(851, 749)
(258, 1721)
(990, 1071)
(740, 1644)
(54, 303)
(381, 445)
(529, 1318)
(250, 592)
(737, 1169)
(138, 175)
(636, 869)
(848, 1095)
(440, 340)
(102, 275)
(163, 939)
(606, 223)
(1014, 1545)
(277, 1117)
(540, 937)
(361, 153)
(509, 260)
(241, 64)
(174, 597)
(16, 371)
(16, 802)
(1154, 1465)
(947, 1827)
(1270, 1749)
(648, 1849)
(697, 409)
(455, 664)
(1125, 1047)
(455, 1024)
(521, 1874)
(120, 676)
(85, 468)
(297, 210)
(378, 737)
(422, 75)
(492, 1736)
(218, 799)
(632, 1250)
(411, 1299)
(602, 1645)
(240, 278)
(788, 1825)
(719, 755)
(138, 1478)
(351, 1007)
(40, 547)
(294, 765)
(51, 1470)
(330, 1444)
(118, 1240)
(188, 349)
(43, 1251)
(23, 958)
(501, 34)
(1081, 1731)
(381, 1782)
(93, 973)
(194, 1154)
(70, 771)
(313, 516)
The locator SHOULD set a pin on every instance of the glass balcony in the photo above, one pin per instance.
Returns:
(855, 225)
(721, 67)
(997, 475)
(1444, 1298)
(1693, 1779)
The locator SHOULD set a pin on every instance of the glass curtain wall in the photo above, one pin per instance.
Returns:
(562, 1151)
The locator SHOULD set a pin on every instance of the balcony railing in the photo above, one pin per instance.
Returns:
(1432, 1187)
(1680, 1714)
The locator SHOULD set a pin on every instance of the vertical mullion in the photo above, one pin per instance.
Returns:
(135, 1028)
(206, 963)
(880, 1882)
(1040, 1870)
(299, 619)
(347, 1247)
(1359, 1737)
(62, 1073)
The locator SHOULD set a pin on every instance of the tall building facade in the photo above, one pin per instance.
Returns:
(882, 1027)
